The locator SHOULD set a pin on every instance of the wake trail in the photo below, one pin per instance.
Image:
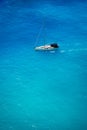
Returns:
(73, 50)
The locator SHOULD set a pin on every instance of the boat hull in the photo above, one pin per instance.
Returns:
(43, 48)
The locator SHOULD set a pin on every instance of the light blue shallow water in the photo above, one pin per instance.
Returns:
(43, 90)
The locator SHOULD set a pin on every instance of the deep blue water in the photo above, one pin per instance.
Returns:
(43, 90)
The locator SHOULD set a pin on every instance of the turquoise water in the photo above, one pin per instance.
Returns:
(43, 90)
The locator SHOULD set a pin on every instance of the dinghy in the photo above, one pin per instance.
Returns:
(47, 47)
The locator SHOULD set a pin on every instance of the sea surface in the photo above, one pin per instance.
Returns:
(43, 90)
